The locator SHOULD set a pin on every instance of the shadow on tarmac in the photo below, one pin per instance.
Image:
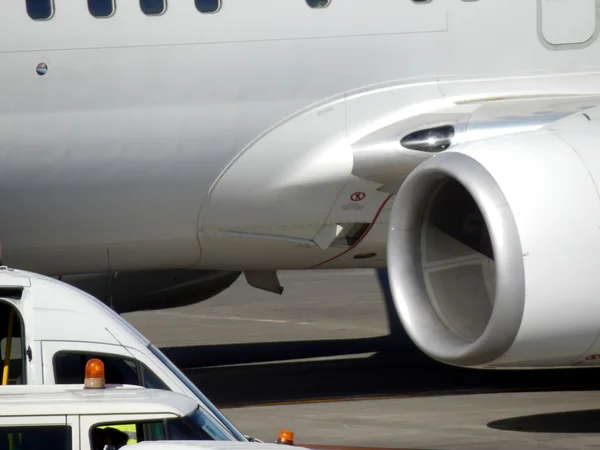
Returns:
(400, 371)
(396, 342)
(235, 375)
(585, 421)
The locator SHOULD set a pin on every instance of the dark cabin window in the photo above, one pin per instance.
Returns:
(101, 8)
(318, 3)
(69, 368)
(208, 6)
(39, 9)
(153, 7)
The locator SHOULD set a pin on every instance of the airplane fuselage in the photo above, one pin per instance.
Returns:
(224, 141)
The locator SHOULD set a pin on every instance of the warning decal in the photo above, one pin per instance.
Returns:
(358, 196)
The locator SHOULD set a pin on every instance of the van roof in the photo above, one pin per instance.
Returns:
(86, 315)
(12, 278)
(62, 399)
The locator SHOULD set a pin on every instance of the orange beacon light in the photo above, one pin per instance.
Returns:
(94, 374)
(286, 437)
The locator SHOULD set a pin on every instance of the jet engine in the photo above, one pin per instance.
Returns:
(494, 250)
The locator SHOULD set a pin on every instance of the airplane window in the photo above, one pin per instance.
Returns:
(101, 8)
(40, 9)
(318, 3)
(153, 7)
(208, 6)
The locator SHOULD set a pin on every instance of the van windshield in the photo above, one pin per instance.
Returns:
(195, 427)
(192, 387)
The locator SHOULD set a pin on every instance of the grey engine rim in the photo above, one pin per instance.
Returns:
(492, 332)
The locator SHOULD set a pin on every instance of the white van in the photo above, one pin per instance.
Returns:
(96, 416)
(70, 417)
(49, 330)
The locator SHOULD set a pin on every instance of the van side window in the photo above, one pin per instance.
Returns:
(48, 437)
(151, 381)
(101, 8)
(11, 343)
(69, 368)
(196, 426)
(208, 6)
(153, 7)
(39, 9)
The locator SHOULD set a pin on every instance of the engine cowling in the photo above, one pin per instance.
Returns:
(494, 251)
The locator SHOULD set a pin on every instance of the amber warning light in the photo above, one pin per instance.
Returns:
(286, 437)
(94, 374)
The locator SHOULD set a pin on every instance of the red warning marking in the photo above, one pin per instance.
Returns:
(591, 357)
(358, 196)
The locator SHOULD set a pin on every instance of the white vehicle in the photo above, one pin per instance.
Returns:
(96, 416)
(66, 416)
(49, 330)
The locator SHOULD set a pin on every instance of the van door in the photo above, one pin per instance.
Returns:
(13, 368)
(14, 343)
(91, 422)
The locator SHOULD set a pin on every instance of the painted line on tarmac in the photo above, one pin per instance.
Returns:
(443, 393)
(353, 398)
(245, 319)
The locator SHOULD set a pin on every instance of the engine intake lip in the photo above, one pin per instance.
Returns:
(407, 283)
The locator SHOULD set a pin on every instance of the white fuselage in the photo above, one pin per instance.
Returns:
(224, 140)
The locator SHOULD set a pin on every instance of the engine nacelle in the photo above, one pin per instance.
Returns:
(494, 251)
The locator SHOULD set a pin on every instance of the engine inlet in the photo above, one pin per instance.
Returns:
(455, 262)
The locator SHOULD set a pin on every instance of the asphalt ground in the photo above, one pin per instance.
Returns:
(320, 360)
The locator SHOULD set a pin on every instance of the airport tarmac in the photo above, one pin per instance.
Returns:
(512, 421)
(323, 367)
